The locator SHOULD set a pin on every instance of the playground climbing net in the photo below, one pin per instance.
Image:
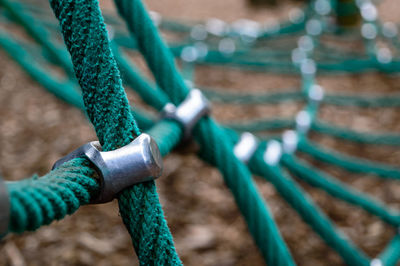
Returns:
(238, 149)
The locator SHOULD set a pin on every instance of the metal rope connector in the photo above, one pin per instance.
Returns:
(189, 112)
(137, 162)
(273, 153)
(290, 140)
(4, 208)
(376, 262)
(245, 147)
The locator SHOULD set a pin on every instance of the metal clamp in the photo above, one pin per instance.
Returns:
(245, 147)
(4, 208)
(303, 121)
(273, 153)
(137, 162)
(290, 140)
(189, 112)
(316, 93)
(376, 262)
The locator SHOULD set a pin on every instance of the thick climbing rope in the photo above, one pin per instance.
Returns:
(168, 133)
(106, 104)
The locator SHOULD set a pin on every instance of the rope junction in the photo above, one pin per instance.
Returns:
(294, 47)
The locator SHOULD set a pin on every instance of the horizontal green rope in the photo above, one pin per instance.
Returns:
(347, 134)
(349, 163)
(340, 190)
(259, 125)
(39, 201)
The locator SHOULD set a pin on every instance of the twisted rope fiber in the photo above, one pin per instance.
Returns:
(216, 149)
(86, 39)
(39, 201)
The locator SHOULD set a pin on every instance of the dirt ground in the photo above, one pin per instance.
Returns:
(36, 129)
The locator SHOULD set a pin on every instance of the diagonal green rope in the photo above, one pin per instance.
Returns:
(215, 147)
(86, 38)
(170, 129)
(307, 209)
(339, 190)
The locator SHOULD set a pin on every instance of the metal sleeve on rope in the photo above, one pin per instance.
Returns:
(290, 140)
(189, 112)
(273, 153)
(4, 208)
(245, 147)
(139, 161)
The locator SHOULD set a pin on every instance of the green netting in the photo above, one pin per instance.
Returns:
(295, 47)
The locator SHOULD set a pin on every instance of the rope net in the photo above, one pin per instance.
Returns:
(306, 46)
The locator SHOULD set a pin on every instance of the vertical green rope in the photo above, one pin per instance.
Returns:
(86, 38)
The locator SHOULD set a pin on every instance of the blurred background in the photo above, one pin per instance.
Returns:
(36, 129)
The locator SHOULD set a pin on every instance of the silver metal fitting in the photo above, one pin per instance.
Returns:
(4, 208)
(376, 262)
(273, 153)
(290, 140)
(316, 93)
(137, 162)
(303, 121)
(245, 147)
(189, 112)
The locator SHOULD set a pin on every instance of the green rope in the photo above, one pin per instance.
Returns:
(37, 32)
(310, 213)
(339, 190)
(347, 162)
(215, 148)
(107, 107)
(216, 142)
(39, 201)
(391, 255)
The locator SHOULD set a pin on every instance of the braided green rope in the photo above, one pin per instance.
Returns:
(39, 201)
(86, 39)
